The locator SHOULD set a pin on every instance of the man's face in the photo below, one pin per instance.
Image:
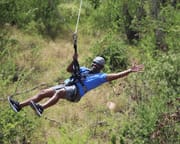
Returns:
(95, 67)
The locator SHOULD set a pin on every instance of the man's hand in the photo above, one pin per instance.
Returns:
(137, 68)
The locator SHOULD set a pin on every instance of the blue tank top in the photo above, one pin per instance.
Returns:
(90, 81)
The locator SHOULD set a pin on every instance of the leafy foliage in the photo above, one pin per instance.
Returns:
(15, 128)
(114, 52)
(37, 15)
(145, 30)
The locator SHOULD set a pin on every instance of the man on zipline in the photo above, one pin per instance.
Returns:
(73, 89)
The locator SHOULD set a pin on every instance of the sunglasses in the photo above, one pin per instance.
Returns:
(97, 64)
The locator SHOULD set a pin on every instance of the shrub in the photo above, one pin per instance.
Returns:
(15, 128)
(114, 52)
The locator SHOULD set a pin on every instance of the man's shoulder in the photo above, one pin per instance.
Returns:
(84, 68)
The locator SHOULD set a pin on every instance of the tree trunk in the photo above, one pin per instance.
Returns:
(130, 32)
(155, 8)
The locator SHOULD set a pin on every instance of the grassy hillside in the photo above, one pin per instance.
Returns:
(37, 46)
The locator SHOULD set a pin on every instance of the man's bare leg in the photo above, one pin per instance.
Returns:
(43, 94)
(55, 98)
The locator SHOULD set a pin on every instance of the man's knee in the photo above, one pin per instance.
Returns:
(61, 93)
(47, 92)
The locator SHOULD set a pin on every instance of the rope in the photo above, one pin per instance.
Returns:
(52, 120)
(28, 90)
(78, 17)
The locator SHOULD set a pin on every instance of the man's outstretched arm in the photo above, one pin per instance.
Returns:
(114, 76)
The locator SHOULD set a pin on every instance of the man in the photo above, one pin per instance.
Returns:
(73, 88)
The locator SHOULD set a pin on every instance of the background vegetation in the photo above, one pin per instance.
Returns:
(36, 46)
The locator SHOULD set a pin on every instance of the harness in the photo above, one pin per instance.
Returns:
(76, 75)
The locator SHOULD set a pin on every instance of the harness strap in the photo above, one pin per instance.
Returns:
(75, 42)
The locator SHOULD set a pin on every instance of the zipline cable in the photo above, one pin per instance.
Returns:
(76, 29)
(77, 23)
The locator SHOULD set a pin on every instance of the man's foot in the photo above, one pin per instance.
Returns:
(14, 104)
(37, 108)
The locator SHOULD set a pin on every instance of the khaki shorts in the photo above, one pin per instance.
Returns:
(72, 93)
